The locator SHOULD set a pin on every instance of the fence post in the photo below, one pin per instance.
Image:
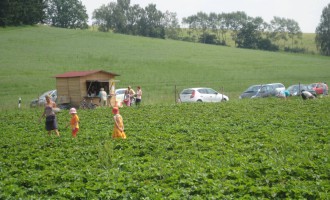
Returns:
(174, 94)
(222, 92)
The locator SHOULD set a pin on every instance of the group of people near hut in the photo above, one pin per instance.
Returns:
(130, 96)
(118, 130)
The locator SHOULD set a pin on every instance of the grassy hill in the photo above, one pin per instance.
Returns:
(31, 56)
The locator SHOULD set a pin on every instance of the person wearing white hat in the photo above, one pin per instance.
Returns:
(74, 122)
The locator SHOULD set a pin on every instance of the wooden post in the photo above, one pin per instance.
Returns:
(221, 90)
(175, 99)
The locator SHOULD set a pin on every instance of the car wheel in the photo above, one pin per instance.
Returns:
(224, 99)
(199, 100)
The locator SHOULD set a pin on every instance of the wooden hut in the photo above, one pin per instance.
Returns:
(76, 86)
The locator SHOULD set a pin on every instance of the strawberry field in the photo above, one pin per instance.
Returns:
(254, 149)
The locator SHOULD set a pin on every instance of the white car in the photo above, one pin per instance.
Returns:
(202, 95)
(120, 94)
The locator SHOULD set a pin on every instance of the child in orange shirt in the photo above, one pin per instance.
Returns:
(74, 122)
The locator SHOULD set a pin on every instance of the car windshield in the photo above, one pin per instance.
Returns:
(120, 91)
(211, 91)
(254, 88)
(308, 87)
(296, 87)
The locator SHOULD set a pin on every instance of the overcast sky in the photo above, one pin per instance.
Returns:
(306, 12)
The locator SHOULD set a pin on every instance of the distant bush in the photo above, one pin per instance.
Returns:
(266, 44)
(295, 50)
(207, 38)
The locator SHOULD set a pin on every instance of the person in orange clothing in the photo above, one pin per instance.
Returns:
(74, 122)
(118, 129)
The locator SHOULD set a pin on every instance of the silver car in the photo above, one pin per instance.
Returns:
(42, 98)
(251, 91)
(269, 90)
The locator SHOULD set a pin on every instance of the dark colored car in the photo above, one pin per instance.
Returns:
(264, 90)
(295, 90)
(251, 91)
(269, 90)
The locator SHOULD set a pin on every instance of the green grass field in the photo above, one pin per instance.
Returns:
(31, 57)
(258, 149)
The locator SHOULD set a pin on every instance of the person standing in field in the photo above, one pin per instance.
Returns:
(49, 113)
(131, 94)
(138, 96)
(74, 122)
(103, 97)
(325, 89)
(127, 99)
(118, 129)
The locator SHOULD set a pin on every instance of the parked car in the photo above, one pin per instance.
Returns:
(319, 88)
(202, 95)
(120, 95)
(251, 91)
(42, 98)
(269, 90)
(295, 90)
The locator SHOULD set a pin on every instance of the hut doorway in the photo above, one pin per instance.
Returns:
(94, 87)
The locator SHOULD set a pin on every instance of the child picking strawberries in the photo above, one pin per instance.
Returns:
(74, 122)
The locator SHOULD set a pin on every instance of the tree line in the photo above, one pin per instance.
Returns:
(209, 28)
(58, 13)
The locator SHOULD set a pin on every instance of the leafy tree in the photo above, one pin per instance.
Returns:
(266, 44)
(322, 38)
(103, 17)
(171, 25)
(199, 23)
(120, 15)
(224, 27)
(21, 12)
(192, 23)
(216, 25)
(284, 29)
(134, 15)
(248, 36)
(208, 38)
(293, 30)
(203, 23)
(151, 22)
(67, 14)
(123, 18)
(278, 29)
(236, 20)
